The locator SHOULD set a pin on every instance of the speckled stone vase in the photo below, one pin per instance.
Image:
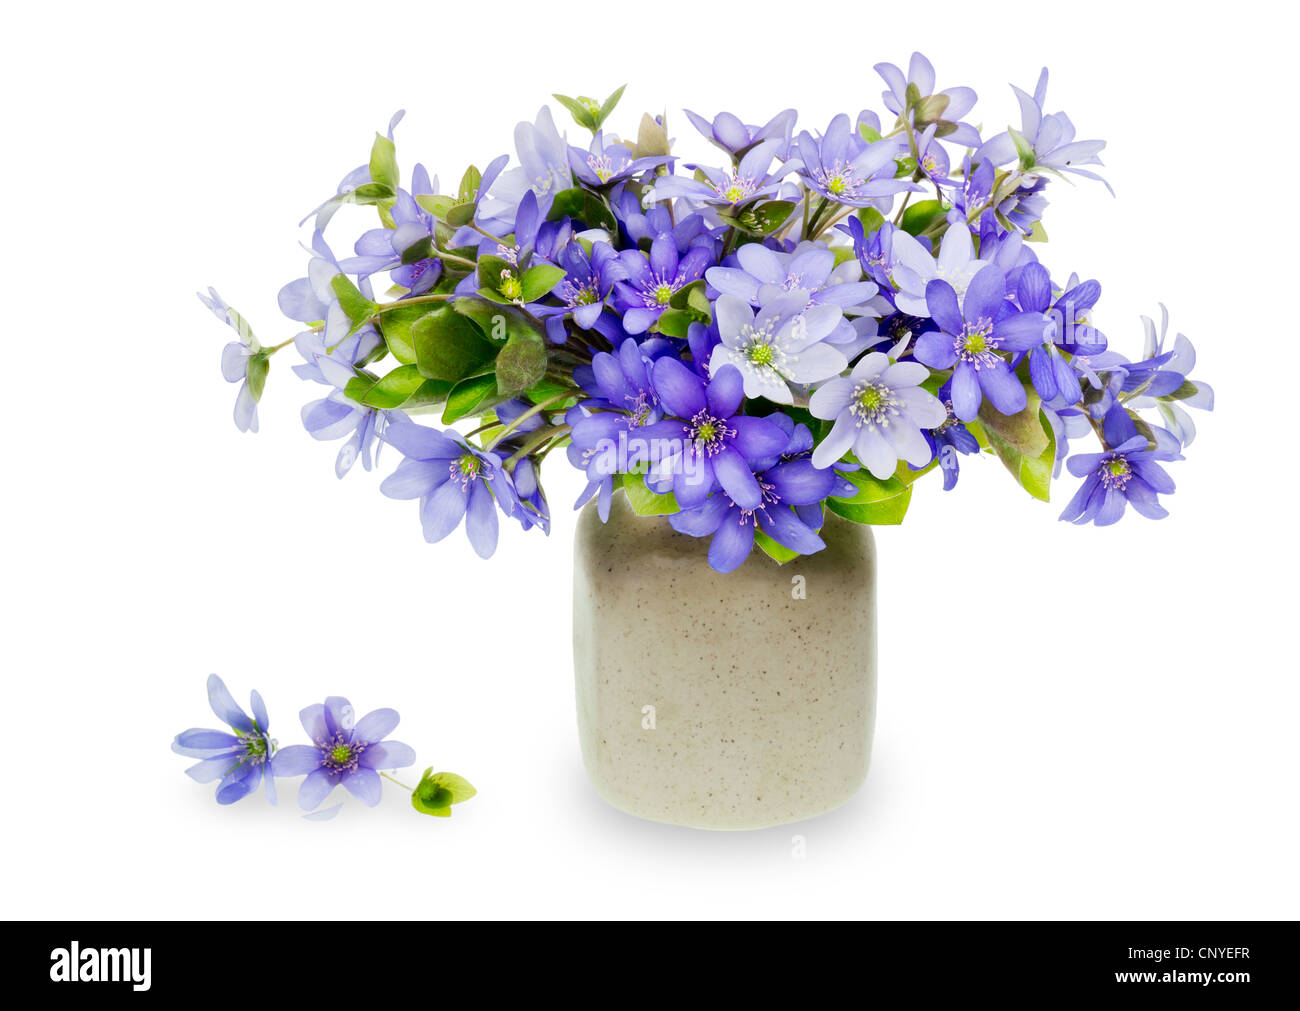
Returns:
(733, 701)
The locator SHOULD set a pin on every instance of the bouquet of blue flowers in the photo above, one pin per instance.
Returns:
(807, 321)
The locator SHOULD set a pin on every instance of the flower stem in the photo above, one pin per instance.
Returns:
(554, 432)
(907, 197)
(397, 781)
(417, 300)
(453, 258)
(533, 411)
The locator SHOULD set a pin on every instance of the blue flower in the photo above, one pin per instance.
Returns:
(761, 274)
(1127, 473)
(1163, 380)
(1052, 375)
(727, 132)
(844, 168)
(312, 299)
(359, 176)
(972, 338)
(704, 441)
(642, 228)
(925, 106)
(533, 509)
(236, 761)
(453, 480)
(588, 281)
(948, 440)
(622, 400)
(344, 752)
(651, 284)
(605, 164)
(405, 249)
(751, 180)
(1044, 141)
(242, 361)
(791, 489)
(543, 169)
(337, 415)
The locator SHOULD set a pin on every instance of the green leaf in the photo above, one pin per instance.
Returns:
(430, 393)
(868, 134)
(393, 389)
(779, 553)
(395, 326)
(876, 502)
(907, 475)
(368, 194)
(1023, 431)
(1037, 233)
(763, 219)
(676, 323)
(461, 214)
(920, 216)
(931, 109)
(584, 206)
(459, 787)
(1188, 389)
(1032, 471)
(585, 112)
(437, 792)
(358, 387)
(548, 389)
(521, 363)
(644, 502)
(383, 163)
(436, 204)
(540, 279)
(259, 365)
(492, 270)
(355, 305)
(682, 297)
(471, 396)
(651, 138)
(484, 316)
(419, 250)
(871, 219)
(608, 105)
(467, 192)
(1023, 148)
(448, 346)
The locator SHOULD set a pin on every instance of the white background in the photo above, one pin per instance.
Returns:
(1073, 723)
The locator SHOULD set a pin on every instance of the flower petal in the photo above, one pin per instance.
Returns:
(315, 788)
(387, 755)
(443, 510)
(365, 785)
(375, 726)
(731, 545)
(224, 705)
(679, 388)
(295, 760)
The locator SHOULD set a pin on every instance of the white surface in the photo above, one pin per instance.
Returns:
(1072, 722)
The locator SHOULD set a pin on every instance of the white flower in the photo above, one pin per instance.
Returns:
(783, 343)
(915, 267)
(879, 411)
